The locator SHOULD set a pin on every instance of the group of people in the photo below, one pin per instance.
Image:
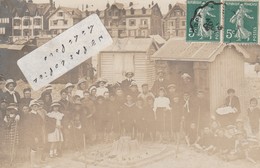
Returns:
(102, 112)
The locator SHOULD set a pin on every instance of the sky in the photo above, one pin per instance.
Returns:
(94, 4)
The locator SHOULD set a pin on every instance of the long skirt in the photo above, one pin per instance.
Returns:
(162, 122)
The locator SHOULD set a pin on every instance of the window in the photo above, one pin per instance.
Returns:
(26, 22)
(172, 23)
(177, 13)
(37, 21)
(109, 13)
(177, 23)
(143, 10)
(2, 30)
(132, 11)
(55, 22)
(4, 20)
(116, 13)
(144, 22)
(183, 23)
(60, 13)
(65, 22)
(131, 22)
(132, 33)
(124, 12)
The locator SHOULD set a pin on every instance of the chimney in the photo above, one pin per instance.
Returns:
(152, 3)
(131, 4)
(170, 7)
(30, 1)
(108, 5)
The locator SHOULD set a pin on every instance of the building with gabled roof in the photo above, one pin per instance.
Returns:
(63, 18)
(174, 22)
(30, 20)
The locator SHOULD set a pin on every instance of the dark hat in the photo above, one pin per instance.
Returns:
(48, 87)
(231, 90)
(162, 89)
(129, 72)
(10, 81)
(100, 98)
(27, 90)
(63, 91)
(145, 84)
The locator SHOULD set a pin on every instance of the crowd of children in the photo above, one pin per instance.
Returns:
(41, 127)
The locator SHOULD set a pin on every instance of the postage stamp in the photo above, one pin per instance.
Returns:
(241, 22)
(203, 21)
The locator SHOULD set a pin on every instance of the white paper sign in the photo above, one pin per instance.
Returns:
(64, 52)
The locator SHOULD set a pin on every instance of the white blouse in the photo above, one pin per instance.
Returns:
(161, 102)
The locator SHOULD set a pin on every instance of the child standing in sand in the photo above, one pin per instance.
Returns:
(54, 124)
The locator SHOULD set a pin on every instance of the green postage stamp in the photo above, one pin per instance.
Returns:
(241, 22)
(203, 21)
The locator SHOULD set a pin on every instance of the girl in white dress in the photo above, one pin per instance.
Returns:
(55, 136)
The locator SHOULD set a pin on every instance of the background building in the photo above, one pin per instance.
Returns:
(30, 20)
(174, 24)
(62, 19)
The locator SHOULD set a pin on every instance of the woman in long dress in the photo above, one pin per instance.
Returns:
(238, 19)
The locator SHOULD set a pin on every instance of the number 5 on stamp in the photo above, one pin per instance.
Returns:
(203, 21)
(241, 22)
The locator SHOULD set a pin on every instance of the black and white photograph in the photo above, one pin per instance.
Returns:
(123, 84)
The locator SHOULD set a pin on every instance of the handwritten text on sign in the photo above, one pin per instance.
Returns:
(64, 52)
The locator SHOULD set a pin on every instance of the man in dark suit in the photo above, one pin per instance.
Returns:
(125, 85)
(161, 82)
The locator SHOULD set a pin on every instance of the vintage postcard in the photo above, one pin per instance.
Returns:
(129, 84)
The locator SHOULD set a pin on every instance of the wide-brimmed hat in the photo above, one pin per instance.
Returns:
(129, 72)
(82, 81)
(185, 75)
(48, 87)
(133, 83)
(160, 71)
(12, 106)
(34, 102)
(69, 85)
(101, 80)
(10, 81)
(171, 85)
(91, 88)
(55, 104)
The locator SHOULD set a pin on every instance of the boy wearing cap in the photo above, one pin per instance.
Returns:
(35, 126)
(134, 92)
(11, 95)
(101, 89)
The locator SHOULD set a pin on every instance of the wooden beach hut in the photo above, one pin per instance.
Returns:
(214, 67)
(128, 54)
